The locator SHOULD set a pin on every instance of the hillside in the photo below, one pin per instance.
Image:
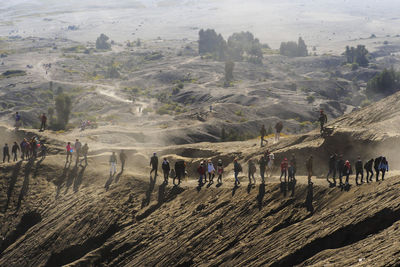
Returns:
(57, 215)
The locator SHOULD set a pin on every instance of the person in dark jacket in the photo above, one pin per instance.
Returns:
(323, 119)
(166, 168)
(263, 132)
(263, 165)
(14, 151)
(340, 168)
(236, 169)
(368, 169)
(6, 153)
(359, 171)
(252, 171)
(377, 162)
(201, 170)
(309, 168)
(154, 164)
(384, 167)
(43, 120)
(332, 169)
(122, 158)
(180, 167)
(293, 163)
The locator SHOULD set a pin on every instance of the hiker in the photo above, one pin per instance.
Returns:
(85, 150)
(263, 164)
(70, 150)
(263, 132)
(252, 170)
(347, 171)
(220, 171)
(201, 170)
(278, 129)
(154, 164)
(384, 167)
(359, 171)
(43, 150)
(78, 147)
(293, 163)
(211, 172)
(284, 169)
(113, 164)
(368, 169)
(14, 151)
(271, 160)
(33, 147)
(309, 168)
(6, 153)
(180, 171)
(332, 169)
(166, 168)
(323, 119)
(291, 178)
(236, 169)
(43, 119)
(122, 158)
(17, 120)
(340, 168)
(23, 148)
(377, 163)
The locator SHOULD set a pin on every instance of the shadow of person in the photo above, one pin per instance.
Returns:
(310, 198)
(79, 179)
(71, 177)
(146, 200)
(218, 184)
(260, 196)
(234, 189)
(25, 185)
(161, 193)
(13, 181)
(119, 175)
(61, 179)
(109, 182)
(249, 187)
(38, 164)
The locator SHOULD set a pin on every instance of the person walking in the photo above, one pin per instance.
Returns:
(154, 164)
(166, 168)
(78, 147)
(377, 163)
(122, 158)
(291, 178)
(323, 119)
(70, 150)
(332, 169)
(278, 130)
(309, 168)
(211, 172)
(220, 171)
(262, 165)
(284, 170)
(17, 120)
(347, 171)
(293, 163)
(43, 120)
(113, 164)
(85, 151)
(368, 168)
(359, 171)
(6, 153)
(263, 132)
(271, 161)
(180, 169)
(384, 167)
(201, 170)
(340, 168)
(236, 169)
(23, 148)
(14, 151)
(252, 170)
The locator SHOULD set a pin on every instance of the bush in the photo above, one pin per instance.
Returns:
(365, 102)
(101, 42)
(357, 55)
(354, 66)
(385, 83)
(310, 99)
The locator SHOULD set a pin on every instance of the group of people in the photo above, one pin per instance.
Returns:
(79, 151)
(28, 149)
(337, 165)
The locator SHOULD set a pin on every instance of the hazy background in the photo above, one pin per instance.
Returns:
(272, 21)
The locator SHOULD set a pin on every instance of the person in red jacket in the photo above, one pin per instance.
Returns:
(201, 170)
(284, 169)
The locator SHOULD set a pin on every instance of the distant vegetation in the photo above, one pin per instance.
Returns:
(12, 73)
(358, 55)
(239, 47)
(293, 49)
(385, 83)
(101, 42)
(229, 66)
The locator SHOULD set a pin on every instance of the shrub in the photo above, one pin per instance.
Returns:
(357, 55)
(293, 49)
(310, 99)
(385, 83)
(101, 42)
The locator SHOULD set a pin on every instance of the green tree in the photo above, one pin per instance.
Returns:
(385, 83)
(229, 66)
(357, 55)
(63, 108)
